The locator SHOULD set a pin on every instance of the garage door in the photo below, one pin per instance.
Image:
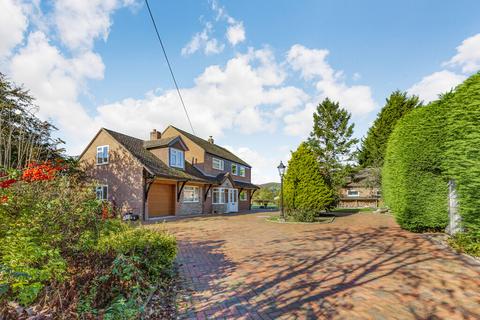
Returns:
(161, 200)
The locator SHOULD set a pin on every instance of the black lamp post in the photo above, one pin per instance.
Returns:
(281, 170)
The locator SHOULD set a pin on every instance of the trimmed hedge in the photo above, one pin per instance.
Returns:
(429, 147)
(305, 188)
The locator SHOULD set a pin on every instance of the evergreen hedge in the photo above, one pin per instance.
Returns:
(305, 188)
(428, 147)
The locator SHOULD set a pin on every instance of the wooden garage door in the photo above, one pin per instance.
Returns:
(161, 200)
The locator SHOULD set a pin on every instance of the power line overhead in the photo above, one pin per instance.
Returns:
(169, 66)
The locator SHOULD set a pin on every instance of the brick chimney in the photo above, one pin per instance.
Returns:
(210, 139)
(155, 135)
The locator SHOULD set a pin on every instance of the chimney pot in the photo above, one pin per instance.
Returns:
(155, 135)
(210, 139)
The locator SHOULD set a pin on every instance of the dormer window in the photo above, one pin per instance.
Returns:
(177, 158)
(102, 155)
(234, 169)
(218, 164)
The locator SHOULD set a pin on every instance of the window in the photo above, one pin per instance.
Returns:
(191, 194)
(218, 196)
(378, 193)
(234, 169)
(102, 192)
(243, 196)
(241, 171)
(102, 155)
(353, 193)
(218, 164)
(176, 158)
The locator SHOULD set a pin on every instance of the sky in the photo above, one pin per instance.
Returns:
(250, 72)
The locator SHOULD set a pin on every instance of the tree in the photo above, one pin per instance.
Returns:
(331, 141)
(23, 137)
(372, 151)
(305, 187)
(264, 196)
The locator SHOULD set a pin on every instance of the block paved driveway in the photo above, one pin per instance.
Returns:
(361, 266)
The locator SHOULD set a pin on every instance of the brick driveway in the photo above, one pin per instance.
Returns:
(361, 266)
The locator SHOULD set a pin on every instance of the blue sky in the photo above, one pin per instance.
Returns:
(251, 72)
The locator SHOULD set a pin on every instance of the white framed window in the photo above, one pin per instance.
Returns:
(218, 196)
(191, 194)
(218, 164)
(102, 192)
(102, 154)
(241, 171)
(177, 159)
(353, 193)
(243, 196)
(234, 169)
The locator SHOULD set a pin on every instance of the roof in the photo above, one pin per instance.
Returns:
(367, 177)
(151, 162)
(212, 148)
(158, 168)
(163, 142)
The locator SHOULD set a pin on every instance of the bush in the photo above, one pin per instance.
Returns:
(302, 215)
(429, 147)
(155, 250)
(56, 239)
(467, 242)
(413, 184)
(305, 188)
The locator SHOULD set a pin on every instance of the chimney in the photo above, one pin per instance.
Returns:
(210, 139)
(155, 135)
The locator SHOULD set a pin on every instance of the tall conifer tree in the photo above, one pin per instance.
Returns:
(331, 140)
(374, 145)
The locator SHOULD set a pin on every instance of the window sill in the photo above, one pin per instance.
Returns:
(101, 164)
(191, 201)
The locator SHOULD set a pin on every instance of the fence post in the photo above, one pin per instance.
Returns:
(454, 219)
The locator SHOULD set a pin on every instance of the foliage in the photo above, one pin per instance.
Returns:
(23, 137)
(305, 187)
(54, 235)
(302, 215)
(467, 242)
(412, 182)
(331, 140)
(430, 146)
(374, 145)
(265, 195)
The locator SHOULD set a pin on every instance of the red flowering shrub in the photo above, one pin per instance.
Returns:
(40, 171)
(7, 183)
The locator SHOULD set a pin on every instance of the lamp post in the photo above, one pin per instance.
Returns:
(281, 171)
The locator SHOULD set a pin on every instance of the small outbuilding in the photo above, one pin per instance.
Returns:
(362, 190)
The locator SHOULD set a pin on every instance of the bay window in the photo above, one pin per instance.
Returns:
(191, 194)
(218, 196)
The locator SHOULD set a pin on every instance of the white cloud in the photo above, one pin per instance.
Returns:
(56, 83)
(436, 83)
(13, 23)
(203, 40)
(468, 55)
(300, 123)
(240, 95)
(236, 33)
(313, 66)
(80, 23)
(206, 41)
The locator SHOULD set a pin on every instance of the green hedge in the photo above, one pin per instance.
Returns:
(429, 147)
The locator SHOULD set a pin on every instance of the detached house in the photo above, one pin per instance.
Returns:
(173, 173)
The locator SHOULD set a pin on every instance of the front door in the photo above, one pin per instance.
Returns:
(232, 204)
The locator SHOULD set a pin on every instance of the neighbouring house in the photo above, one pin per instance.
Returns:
(174, 173)
(362, 190)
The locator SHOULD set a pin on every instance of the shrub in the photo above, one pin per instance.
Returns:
(305, 188)
(468, 242)
(302, 215)
(429, 147)
(155, 250)
(413, 184)
(52, 229)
